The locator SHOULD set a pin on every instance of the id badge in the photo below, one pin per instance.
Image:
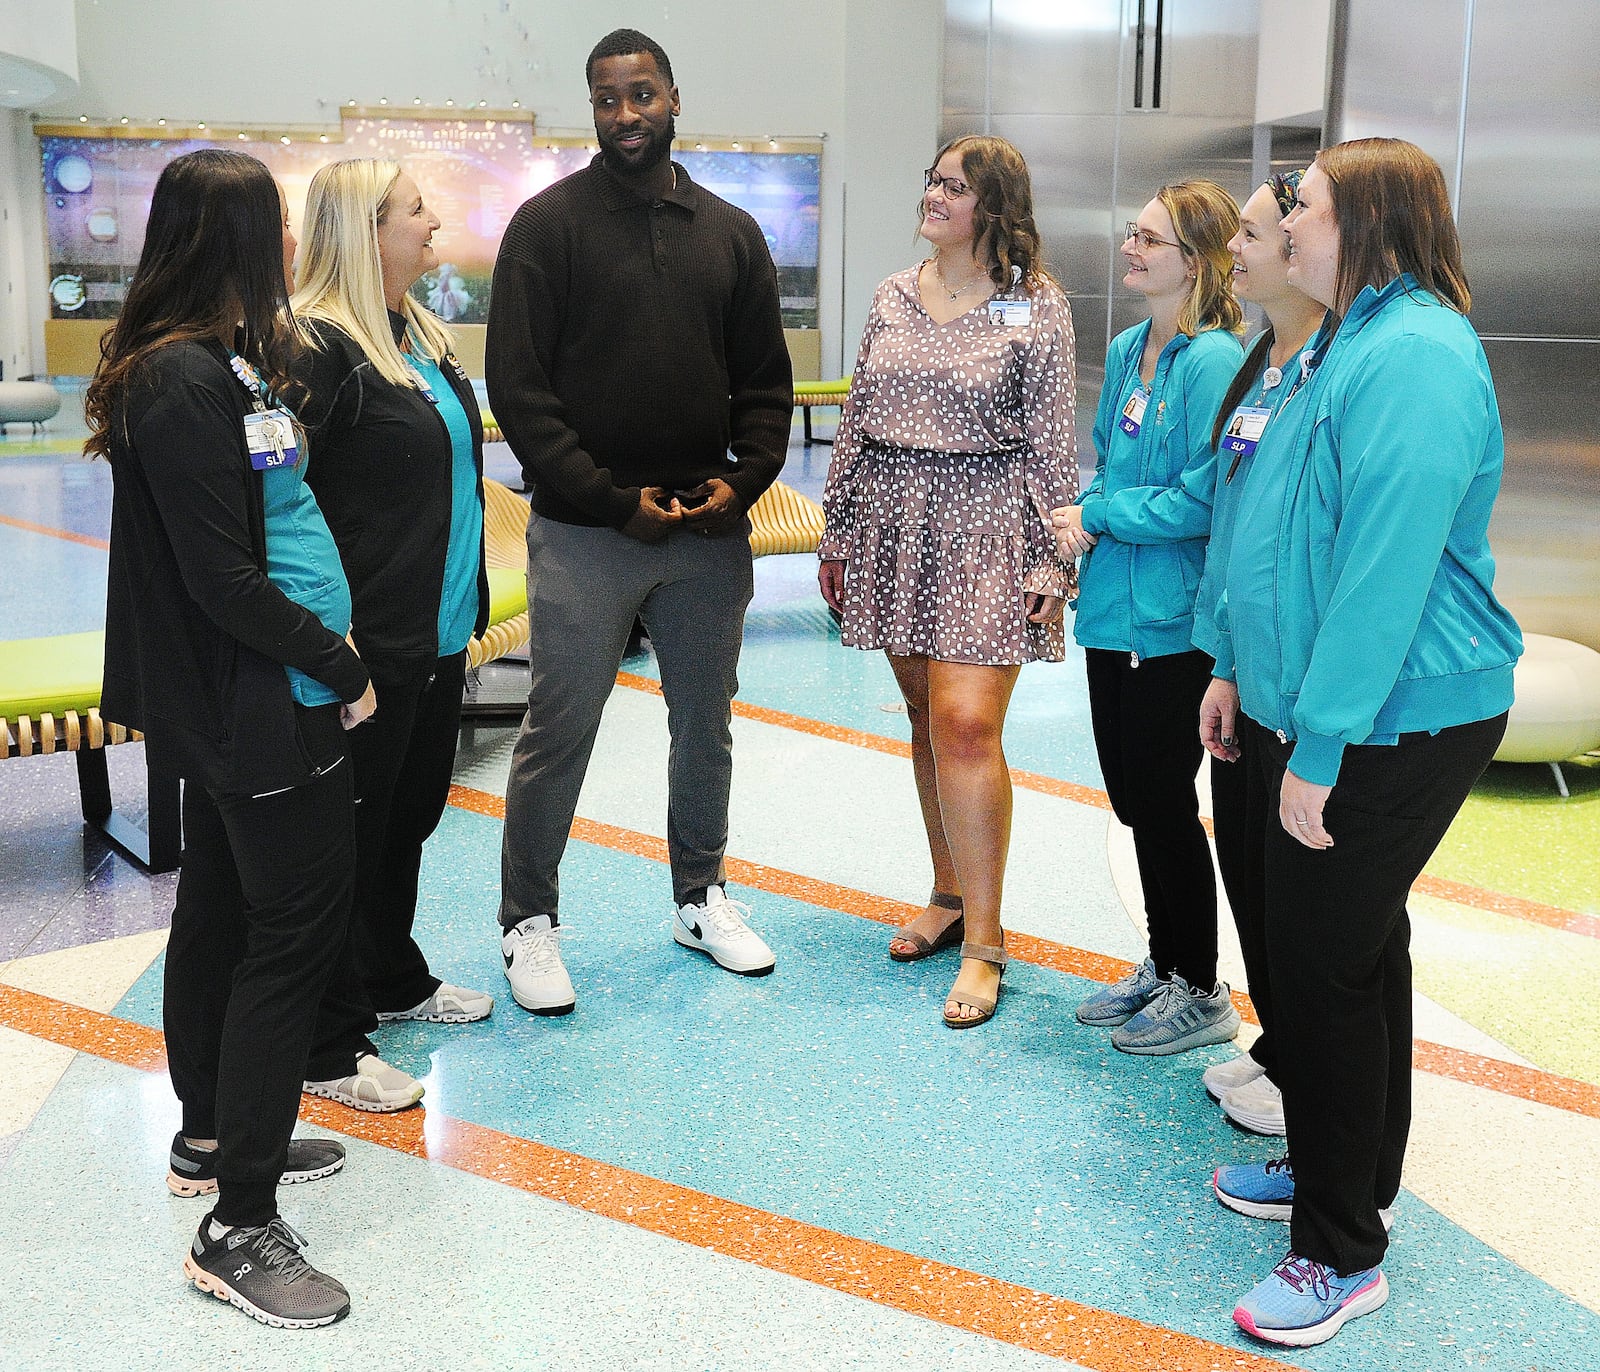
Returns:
(1011, 314)
(1133, 413)
(1249, 422)
(269, 434)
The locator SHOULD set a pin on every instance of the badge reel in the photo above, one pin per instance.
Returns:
(269, 434)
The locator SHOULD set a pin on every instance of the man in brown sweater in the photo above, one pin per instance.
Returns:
(637, 365)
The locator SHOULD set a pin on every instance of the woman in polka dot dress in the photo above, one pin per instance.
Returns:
(956, 442)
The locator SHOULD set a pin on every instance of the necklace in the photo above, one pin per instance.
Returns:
(959, 290)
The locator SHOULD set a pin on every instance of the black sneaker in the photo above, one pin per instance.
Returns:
(260, 1270)
(193, 1172)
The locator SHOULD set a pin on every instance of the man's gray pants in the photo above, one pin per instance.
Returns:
(585, 588)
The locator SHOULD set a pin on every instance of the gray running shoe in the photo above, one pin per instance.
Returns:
(1119, 1002)
(193, 1171)
(260, 1271)
(1177, 1019)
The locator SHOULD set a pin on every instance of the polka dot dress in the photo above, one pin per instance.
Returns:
(956, 442)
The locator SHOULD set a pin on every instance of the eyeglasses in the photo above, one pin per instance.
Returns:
(1147, 240)
(954, 188)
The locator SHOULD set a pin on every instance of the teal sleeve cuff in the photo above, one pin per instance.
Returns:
(1094, 514)
(1316, 758)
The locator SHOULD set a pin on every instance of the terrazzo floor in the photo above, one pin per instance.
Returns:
(807, 1171)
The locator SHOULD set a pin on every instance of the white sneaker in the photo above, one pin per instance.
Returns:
(718, 928)
(1256, 1106)
(1222, 1077)
(448, 1005)
(374, 1086)
(539, 980)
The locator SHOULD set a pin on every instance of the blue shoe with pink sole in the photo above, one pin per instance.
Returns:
(1304, 1303)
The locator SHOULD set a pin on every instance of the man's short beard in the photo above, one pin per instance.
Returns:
(662, 150)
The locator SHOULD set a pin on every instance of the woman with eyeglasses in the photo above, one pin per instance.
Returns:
(955, 443)
(1141, 528)
(399, 441)
(226, 615)
(1277, 364)
(1375, 664)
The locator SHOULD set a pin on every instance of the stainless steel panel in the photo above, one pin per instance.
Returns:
(1530, 181)
(1401, 74)
(1070, 158)
(1055, 56)
(966, 62)
(1209, 66)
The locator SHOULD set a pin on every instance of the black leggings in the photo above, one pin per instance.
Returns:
(1241, 810)
(1339, 958)
(1147, 732)
(262, 912)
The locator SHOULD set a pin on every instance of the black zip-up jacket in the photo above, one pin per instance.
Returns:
(381, 469)
(197, 635)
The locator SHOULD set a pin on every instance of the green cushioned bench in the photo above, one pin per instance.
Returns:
(50, 703)
(808, 394)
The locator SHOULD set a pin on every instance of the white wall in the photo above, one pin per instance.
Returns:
(862, 73)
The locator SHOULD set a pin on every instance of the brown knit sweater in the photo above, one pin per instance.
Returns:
(636, 342)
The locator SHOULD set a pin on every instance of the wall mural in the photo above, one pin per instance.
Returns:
(473, 173)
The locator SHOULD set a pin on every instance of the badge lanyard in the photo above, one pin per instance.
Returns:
(1250, 421)
(269, 429)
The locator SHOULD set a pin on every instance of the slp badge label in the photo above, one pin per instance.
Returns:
(1133, 413)
(269, 434)
(1245, 429)
(1010, 313)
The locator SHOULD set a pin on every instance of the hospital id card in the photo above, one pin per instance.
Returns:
(1133, 413)
(269, 434)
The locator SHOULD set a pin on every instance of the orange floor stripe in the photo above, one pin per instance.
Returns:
(87, 1031)
(997, 1309)
(1496, 902)
(88, 540)
(1525, 1083)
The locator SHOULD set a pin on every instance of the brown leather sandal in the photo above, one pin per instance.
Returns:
(951, 933)
(978, 952)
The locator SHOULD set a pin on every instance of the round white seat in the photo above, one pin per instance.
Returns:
(1556, 713)
(28, 402)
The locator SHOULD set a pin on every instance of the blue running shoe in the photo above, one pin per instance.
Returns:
(1265, 1190)
(1177, 1019)
(1303, 1302)
(1119, 1002)
(1262, 1190)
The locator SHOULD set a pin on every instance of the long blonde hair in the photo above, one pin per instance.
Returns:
(1204, 218)
(341, 276)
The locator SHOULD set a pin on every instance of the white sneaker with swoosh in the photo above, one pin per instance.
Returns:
(719, 930)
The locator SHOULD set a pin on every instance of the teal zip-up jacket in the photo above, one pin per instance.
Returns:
(1225, 506)
(1150, 501)
(1360, 590)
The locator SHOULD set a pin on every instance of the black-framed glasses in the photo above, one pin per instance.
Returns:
(954, 187)
(1147, 240)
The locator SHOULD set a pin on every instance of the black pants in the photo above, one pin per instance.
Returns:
(1147, 733)
(1241, 809)
(262, 913)
(1339, 958)
(403, 756)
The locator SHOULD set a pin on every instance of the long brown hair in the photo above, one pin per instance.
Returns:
(1003, 227)
(1393, 214)
(1204, 218)
(213, 246)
